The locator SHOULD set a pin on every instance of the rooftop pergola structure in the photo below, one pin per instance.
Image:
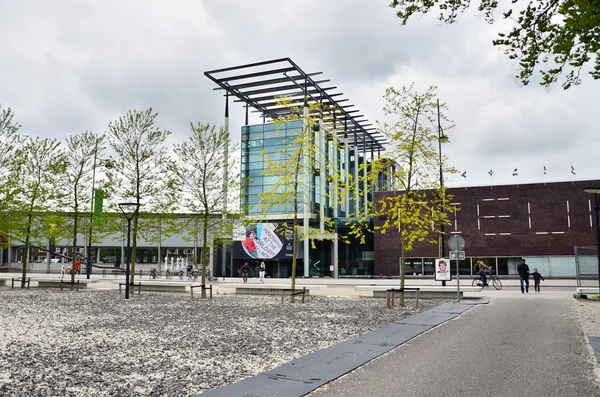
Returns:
(260, 85)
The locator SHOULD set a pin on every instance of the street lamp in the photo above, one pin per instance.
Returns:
(129, 210)
(596, 192)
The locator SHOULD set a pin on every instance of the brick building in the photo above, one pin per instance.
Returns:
(540, 222)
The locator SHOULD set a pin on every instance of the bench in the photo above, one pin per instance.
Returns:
(139, 285)
(19, 280)
(584, 292)
(270, 289)
(201, 286)
(61, 284)
(389, 295)
(425, 292)
(165, 287)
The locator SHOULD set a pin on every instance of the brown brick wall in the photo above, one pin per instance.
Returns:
(560, 209)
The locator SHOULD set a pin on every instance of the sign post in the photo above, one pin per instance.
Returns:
(456, 243)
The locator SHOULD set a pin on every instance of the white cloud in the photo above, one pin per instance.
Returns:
(71, 65)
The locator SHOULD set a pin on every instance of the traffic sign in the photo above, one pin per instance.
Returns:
(456, 243)
(457, 255)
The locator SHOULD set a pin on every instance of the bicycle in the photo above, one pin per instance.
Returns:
(491, 278)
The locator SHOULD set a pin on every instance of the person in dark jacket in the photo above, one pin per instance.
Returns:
(523, 271)
(536, 279)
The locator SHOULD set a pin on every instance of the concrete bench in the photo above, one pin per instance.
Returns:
(427, 291)
(61, 284)
(584, 292)
(271, 289)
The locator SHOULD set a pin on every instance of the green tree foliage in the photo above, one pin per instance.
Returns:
(40, 181)
(84, 153)
(564, 34)
(137, 173)
(289, 191)
(198, 171)
(419, 207)
(10, 165)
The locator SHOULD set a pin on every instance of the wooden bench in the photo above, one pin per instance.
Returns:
(201, 286)
(428, 291)
(139, 285)
(270, 289)
(12, 285)
(61, 284)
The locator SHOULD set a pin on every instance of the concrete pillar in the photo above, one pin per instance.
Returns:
(307, 168)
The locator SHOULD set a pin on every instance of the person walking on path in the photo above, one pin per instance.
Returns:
(245, 270)
(536, 279)
(523, 271)
(261, 272)
(483, 270)
(77, 266)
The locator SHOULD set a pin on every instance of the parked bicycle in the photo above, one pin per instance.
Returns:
(491, 279)
(155, 274)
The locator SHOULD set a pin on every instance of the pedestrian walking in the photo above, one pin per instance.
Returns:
(77, 266)
(536, 279)
(245, 270)
(261, 272)
(523, 271)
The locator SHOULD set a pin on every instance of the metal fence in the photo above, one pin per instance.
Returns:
(586, 266)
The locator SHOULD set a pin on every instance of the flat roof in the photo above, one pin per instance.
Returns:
(259, 85)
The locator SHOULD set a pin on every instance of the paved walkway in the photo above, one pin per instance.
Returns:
(528, 346)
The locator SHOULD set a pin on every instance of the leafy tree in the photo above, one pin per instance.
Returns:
(565, 34)
(40, 180)
(198, 170)
(289, 190)
(418, 210)
(10, 163)
(84, 152)
(138, 171)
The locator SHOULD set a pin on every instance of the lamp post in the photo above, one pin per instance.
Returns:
(129, 210)
(596, 192)
(440, 136)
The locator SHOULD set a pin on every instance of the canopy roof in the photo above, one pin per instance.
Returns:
(259, 85)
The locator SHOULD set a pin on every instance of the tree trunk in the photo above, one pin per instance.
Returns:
(204, 253)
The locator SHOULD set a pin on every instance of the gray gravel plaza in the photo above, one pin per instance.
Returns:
(95, 343)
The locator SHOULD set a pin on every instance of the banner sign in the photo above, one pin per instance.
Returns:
(261, 241)
(442, 270)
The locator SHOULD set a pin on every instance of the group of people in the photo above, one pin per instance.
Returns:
(67, 270)
(523, 269)
(262, 271)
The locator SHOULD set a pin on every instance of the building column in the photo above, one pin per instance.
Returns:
(356, 181)
(322, 174)
(225, 185)
(366, 185)
(335, 257)
(307, 166)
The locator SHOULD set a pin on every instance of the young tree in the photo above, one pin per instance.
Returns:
(290, 190)
(198, 169)
(138, 171)
(561, 33)
(420, 208)
(10, 140)
(84, 153)
(40, 183)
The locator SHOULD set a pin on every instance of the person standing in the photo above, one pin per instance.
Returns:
(245, 270)
(523, 271)
(261, 272)
(536, 279)
(77, 266)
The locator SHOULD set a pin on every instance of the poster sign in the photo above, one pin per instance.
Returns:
(261, 241)
(442, 270)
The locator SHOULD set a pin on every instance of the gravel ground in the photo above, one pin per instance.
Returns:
(95, 343)
(588, 312)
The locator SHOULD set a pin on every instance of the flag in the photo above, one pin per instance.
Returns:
(464, 174)
(491, 172)
(545, 170)
(573, 170)
(515, 172)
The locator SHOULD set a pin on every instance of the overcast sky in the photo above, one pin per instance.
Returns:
(67, 66)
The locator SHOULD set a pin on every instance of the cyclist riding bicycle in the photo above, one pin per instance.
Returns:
(483, 271)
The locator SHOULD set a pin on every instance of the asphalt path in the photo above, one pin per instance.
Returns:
(510, 347)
